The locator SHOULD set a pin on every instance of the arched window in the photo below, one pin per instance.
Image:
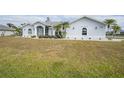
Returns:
(29, 31)
(84, 31)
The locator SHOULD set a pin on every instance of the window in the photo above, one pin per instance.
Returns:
(96, 28)
(84, 31)
(47, 31)
(29, 31)
(101, 27)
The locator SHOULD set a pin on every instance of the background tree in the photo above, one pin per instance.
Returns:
(109, 23)
(18, 29)
(58, 30)
(61, 29)
(23, 24)
(10, 25)
(116, 28)
(65, 25)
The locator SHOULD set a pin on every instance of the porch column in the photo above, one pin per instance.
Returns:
(50, 31)
(53, 32)
(44, 31)
(35, 31)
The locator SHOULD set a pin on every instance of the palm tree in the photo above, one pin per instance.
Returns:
(109, 23)
(58, 29)
(23, 24)
(116, 28)
(65, 25)
(61, 29)
(10, 25)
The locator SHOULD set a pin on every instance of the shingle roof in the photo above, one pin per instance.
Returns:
(5, 28)
(44, 23)
(48, 23)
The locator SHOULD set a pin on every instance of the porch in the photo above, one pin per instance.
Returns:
(44, 31)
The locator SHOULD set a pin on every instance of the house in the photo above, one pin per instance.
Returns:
(82, 28)
(122, 32)
(6, 31)
(39, 29)
(86, 28)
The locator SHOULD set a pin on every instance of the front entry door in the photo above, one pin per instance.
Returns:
(40, 31)
(47, 31)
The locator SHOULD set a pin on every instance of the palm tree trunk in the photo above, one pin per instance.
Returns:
(114, 34)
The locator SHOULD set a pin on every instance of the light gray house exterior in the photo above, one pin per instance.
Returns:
(6, 31)
(39, 29)
(83, 28)
(86, 28)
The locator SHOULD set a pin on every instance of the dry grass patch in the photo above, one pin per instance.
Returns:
(21, 57)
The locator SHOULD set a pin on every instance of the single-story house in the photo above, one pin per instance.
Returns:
(122, 32)
(6, 31)
(39, 29)
(82, 28)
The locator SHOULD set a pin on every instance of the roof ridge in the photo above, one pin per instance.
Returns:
(88, 18)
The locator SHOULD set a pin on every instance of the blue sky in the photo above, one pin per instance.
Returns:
(19, 19)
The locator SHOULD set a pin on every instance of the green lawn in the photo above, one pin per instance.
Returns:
(21, 57)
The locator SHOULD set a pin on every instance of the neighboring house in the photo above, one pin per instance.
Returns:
(118, 33)
(6, 31)
(122, 32)
(83, 28)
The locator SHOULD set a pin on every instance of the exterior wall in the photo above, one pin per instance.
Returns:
(75, 30)
(51, 31)
(25, 31)
(6, 33)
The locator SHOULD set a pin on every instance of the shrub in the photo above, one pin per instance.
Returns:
(33, 36)
(109, 38)
(13, 35)
(40, 36)
(99, 38)
(89, 38)
(47, 36)
(59, 34)
(52, 37)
